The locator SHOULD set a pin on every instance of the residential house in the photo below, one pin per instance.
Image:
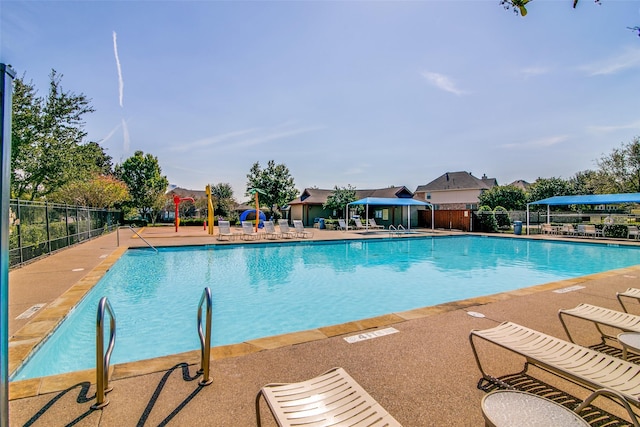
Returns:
(521, 184)
(308, 207)
(454, 190)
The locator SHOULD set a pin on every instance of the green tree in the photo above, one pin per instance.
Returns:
(548, 187)
(101, 191)
(222, 193)
(47, 140)
(339, 198)
(275, 181)
(519, 6)
(145, 181)
(585, 182)
(620, 170)
(508, 196)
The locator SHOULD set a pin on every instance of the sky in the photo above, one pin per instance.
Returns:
(370, 94)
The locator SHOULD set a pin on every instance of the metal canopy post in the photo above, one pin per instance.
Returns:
(6, 86)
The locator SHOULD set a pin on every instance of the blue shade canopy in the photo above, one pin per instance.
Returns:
(389, 201)
(591, 199)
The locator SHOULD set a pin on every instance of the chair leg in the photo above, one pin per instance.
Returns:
(258, 421)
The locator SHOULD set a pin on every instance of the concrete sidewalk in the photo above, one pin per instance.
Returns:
(425, 375)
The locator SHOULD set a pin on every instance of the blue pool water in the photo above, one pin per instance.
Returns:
(268, 289)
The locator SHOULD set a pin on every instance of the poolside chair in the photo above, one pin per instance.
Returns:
(581, 365)
(372, 224)
(224, 231)
(333, 398)
(285, 231)
(300, 231)
(589, 230)
(547, 229)
(247, 231)
(633, 232)
(629, 293)
(358, 223)
(568, 230)
(270, 230)
(601, 316)
(342, 225)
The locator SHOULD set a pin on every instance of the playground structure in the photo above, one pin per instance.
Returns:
(250, 215)
(209, 210)
(176, 200)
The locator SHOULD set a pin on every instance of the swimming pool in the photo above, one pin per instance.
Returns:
(268, 289)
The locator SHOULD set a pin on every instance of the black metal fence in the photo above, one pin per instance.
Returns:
(40, 228)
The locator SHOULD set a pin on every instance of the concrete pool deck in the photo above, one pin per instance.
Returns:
(423, 375)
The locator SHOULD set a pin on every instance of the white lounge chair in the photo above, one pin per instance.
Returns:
(300, 231)
(601, 316)
(372, 224)
(589, 230)
(358, 223)
(285, 231)
(548, 229)
(270, 230)
(342, 225)
(589, 368)
(629, 293)
(567, 229)
(224, 231)
(633, 232)
(247, 231)
(331, 399)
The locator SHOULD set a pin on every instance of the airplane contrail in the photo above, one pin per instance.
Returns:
(125, 133)
(120, 81)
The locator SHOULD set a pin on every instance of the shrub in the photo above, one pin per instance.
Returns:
(502, 217)
(487, 219)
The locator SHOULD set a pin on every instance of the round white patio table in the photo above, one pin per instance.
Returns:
(629, 340)
(513, 408)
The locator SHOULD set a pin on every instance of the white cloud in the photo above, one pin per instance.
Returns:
(247, 137)
(534, 71)
(442, 82)
(537, 143)
(628, 59)
(614, 128)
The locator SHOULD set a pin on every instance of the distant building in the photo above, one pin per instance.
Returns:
(521, 184)
(455, 190)
(308, 206)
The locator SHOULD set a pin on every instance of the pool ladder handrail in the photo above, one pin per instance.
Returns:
(103, 358)
(205, 338)
(397, 231)
(137, 234)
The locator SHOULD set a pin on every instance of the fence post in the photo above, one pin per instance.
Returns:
(66, 223)
(46, 216)
(18, 215)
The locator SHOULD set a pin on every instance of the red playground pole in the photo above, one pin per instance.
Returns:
(176, 200)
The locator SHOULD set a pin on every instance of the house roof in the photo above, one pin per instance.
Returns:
(458, 181)
(183, 192)
(316, 196)
(521, 183)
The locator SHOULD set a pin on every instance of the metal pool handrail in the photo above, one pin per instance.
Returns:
(102, 358)
(205, 338)
(137, 234)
